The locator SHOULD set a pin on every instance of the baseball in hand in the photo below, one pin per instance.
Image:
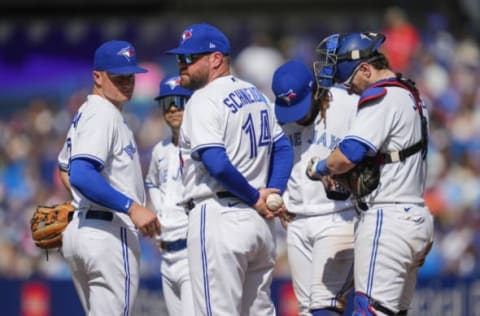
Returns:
(274, 200)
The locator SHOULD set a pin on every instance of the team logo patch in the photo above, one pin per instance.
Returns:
(186, 35)
(173, 83)
(127, 52)
(211, 45)
(288, 96)
(130, 150)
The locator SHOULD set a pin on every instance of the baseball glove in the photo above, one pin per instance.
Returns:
(49, 222)
(334, 189)
(362, 179)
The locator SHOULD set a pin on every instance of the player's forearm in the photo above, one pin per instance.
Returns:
(86, 179)
(219, 166)
(338, 163)
(65, 180)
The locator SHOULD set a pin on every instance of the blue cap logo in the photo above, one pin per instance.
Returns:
(186, 35)
(171, 86)
(173, 82)
(201, 38)
(117, 57)
(288, 96)
(127, 52)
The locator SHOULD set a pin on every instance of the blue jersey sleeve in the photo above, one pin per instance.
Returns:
(281, 164)
(354, 150)
(85, 177)
(219, 166)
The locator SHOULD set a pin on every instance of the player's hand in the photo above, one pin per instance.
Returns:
(285, 217)
(261, 204)
(145, 220)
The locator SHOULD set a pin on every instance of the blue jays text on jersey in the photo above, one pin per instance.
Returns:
(325, 139)
(238, 98)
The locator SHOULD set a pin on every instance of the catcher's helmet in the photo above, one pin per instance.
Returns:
(340, 54)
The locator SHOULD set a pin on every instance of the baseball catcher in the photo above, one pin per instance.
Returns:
(49, 222)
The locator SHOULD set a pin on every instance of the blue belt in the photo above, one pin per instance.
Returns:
(175, 245)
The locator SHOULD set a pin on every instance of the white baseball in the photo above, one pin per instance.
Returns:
(274, 200)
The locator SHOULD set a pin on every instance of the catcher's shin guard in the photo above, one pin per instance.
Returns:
(366, 306)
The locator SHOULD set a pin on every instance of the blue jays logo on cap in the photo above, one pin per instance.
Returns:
(173, 83)
(127, 52)
(186, 35)
(117, 57)
(201, 38)
(171, 86)
(288, 96)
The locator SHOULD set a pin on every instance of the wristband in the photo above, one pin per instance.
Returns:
(321, 168)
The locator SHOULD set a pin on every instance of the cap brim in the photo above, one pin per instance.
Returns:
(183, 51)
(127, 70)
(287, 114)
(173, 93)
(190, 51)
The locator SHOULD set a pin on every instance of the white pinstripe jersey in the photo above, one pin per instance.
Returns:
(99, 132)
(232, 114)
(305, 196)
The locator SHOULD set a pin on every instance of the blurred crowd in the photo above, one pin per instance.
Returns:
(445, 67)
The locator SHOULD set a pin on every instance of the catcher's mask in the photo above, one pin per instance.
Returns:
(340, 54)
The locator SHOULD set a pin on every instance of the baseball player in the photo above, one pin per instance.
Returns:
(164, 183)
(101, 158)
(395, 228)
(234, 154)
(320, 235)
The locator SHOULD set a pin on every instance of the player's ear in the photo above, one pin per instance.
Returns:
(217, 59)
(97, 77)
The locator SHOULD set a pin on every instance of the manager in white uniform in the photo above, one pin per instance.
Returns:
(234, 154)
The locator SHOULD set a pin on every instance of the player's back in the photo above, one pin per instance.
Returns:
(235, 115)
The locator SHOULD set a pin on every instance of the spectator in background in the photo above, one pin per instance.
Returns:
(402, 39)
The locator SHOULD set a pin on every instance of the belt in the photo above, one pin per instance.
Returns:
(190, 204)
(101, 215)
(176, 245)
(224, 194)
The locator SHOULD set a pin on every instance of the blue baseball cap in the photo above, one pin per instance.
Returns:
(201, 38)
(117, 57)
(171, 86)
(292, 85)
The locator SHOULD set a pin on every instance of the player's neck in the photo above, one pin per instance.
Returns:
(222, 71)
(117, 104)
(175, 133)
(382, 74)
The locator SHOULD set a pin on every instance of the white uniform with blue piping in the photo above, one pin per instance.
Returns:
(104, 252)
(231, 248)
(392, 236)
